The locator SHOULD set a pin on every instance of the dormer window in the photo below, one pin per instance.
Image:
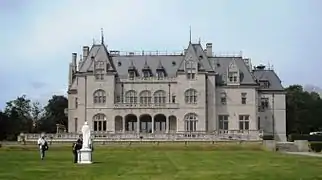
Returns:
(146, 74)
(99, 65)
(233, 77)
(161, 73)
(146, 70)
(132, 71)
(264, 84)
(99, 69)
(131, 75)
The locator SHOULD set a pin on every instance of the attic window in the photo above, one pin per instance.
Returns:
(119, 63)
(200, 57)
(173, 63)
(264, 83)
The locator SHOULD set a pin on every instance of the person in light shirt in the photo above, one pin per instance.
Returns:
(43, 146)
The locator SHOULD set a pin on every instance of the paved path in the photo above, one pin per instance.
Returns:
(306, 154)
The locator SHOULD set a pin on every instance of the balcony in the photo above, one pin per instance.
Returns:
(146, 106)
(148, 80)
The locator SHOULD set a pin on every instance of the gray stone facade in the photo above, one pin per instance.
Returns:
(190, 91)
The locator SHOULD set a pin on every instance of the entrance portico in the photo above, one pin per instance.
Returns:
(145, 123)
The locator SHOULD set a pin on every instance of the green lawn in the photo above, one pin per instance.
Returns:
(158, 162)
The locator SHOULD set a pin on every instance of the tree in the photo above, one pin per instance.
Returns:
(55, 114)
(37, 114)
(18, 111)
(4, 120)
(304, 110)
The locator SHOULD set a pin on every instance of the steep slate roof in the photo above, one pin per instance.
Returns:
(173, 63)
(221, 65)
(170, 63)
(205, 62)
(99, 52)
(271, 77)
(195, 50)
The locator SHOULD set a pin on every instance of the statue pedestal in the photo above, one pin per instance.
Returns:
(85, 156)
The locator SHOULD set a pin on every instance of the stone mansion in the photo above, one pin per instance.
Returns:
(191, 91)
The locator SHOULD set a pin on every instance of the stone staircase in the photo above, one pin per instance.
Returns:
(286, 147)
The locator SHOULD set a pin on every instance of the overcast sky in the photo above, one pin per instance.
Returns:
(38, 37)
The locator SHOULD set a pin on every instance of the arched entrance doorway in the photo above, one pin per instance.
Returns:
(131, 123)
(118, 123)
(146, 123)
(172, 124)
(99, 122)
(160, 121)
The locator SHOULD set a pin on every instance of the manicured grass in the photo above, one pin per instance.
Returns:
(165, 162)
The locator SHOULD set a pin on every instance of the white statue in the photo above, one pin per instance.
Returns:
(86, 136)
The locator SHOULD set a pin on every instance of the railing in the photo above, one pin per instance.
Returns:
(170, 53)
(179, 136)
(148, 53)
(228, 54)
(147, 79)
(144, 106)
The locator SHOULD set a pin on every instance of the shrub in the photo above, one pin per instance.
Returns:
(316, 146)
(293, 137)
(268, 137)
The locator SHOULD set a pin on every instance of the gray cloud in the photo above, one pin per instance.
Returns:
(38, 85)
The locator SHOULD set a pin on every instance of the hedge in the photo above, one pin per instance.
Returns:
(268, 137)
(316, 146)
(308, 137)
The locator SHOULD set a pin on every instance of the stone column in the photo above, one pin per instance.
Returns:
(152, 124)
(123, 124)
(138, 126)
(167, 125)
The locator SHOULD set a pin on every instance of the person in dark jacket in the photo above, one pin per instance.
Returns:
(76, 147)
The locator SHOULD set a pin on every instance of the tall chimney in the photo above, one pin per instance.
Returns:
(74, 58)
(85, 52)
(70, 74)
(209, 49)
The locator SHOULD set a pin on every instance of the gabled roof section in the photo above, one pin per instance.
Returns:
(100, 53)
(160, 66)
(190, 53)
(195, 51)
(146, 66)
(275, 83)
(131, 67)
(169, 63)
(221, 65)
(233, 66)
(203, 59)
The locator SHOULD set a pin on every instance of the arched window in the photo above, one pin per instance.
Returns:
(131, 97)
(159, 97)
(99, 122)
(190, 96)
(145, 97)
(190, 122)
(99, 97)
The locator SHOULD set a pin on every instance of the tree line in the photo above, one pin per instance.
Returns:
(304, 114)
(25, 116)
